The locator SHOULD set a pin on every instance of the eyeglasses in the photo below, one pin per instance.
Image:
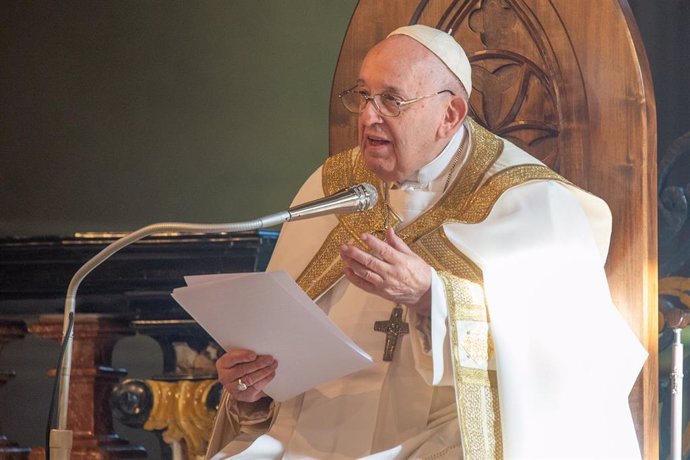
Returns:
(385, 104)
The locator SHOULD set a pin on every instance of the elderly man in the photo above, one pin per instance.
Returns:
(511, 346)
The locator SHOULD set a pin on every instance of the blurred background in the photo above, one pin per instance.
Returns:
(117, 114)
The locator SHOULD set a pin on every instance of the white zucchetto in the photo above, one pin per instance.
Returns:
(444, 46)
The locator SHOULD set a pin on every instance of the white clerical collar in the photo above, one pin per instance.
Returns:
(422, 179)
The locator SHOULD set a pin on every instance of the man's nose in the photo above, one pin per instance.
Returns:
(369, 115)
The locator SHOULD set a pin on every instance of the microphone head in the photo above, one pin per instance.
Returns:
(357, 198)
(367, 196)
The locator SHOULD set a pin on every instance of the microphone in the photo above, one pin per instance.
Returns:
(357, 198)
(360, 197)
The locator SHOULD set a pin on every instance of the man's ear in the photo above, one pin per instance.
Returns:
(454, 116)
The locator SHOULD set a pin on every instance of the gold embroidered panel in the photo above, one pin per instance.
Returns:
(466, 201)
(476, 385)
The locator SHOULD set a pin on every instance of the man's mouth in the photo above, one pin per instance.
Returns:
(374, 141)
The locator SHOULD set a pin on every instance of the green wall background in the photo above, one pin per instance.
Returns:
(117, 114)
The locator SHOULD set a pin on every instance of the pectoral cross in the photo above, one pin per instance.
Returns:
(394, 328)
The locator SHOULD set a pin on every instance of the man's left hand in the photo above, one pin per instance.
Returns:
(390, 270)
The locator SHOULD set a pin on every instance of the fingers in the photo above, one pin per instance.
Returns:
(368, 270)
(233, 358)
(390, 269)
(237, 362)
(358, 281)
(380, 249)
(256, 371)
(373, 266)
(396, 242)
(251, 377)
(362, 265)
(372, 260)
(254, 392)
(388, 250)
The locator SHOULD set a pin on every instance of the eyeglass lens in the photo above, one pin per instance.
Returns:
(355, 101)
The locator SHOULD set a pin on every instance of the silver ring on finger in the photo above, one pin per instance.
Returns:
(241, 386)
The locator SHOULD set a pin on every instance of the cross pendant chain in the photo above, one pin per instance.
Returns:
(394, 328)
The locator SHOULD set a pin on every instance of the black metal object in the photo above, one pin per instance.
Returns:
(131, 402)
(136, 282)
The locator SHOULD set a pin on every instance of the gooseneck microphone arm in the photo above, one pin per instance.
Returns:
(360, 197)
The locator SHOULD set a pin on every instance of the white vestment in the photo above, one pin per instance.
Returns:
(564, 357)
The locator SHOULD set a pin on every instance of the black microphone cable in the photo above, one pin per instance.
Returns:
(54, 396)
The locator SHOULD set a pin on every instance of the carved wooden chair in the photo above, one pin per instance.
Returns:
(570, 84)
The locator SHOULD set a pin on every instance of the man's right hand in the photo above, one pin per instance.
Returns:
(254, 370)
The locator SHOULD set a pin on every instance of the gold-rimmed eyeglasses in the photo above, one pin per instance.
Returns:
(385, 104)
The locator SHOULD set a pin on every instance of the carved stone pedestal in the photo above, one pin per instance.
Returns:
(10, 331)
(92, 381)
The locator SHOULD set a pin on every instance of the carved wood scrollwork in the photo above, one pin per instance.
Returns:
(516, 78)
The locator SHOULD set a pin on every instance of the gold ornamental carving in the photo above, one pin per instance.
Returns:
(676, 286)
(180, 411)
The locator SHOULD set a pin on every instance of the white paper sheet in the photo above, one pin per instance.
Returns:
(270, 314)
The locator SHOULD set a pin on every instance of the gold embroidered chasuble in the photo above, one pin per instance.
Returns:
(469, 199)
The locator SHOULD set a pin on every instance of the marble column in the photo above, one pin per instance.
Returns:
(92, 381)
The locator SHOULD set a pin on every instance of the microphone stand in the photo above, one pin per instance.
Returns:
(677, 395)
(357, 198)
(61, 437)
(678, 319)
